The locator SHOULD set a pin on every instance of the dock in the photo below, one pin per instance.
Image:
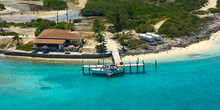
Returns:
(112, 46)
(140, 66)
(136, 65)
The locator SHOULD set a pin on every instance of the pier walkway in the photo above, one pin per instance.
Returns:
(112, 46)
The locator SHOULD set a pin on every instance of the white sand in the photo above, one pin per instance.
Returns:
(211, 4)
(192, 49)
(39, 13)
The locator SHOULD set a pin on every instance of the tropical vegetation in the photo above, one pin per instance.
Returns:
(17, 39)
(2, 7)
(98, 27)
(135, 14)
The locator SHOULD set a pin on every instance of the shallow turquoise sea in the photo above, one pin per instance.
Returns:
(192, 84)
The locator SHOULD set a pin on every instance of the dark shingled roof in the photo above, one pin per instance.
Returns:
(59, 34)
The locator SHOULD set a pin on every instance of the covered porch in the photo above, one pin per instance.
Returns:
(49, 44)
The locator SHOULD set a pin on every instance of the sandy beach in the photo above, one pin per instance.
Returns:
(175, 52)
(210, 4)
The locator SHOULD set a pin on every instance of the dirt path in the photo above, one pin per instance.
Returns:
(211, 4)
(158, 24)
(79, 6)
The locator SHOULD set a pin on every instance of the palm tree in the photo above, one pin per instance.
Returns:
(17, 39)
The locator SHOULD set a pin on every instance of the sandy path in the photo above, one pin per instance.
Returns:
(175, 52)
(211, 4)
(81, 5)
(157, 25)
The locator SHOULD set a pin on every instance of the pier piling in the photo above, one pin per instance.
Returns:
(89, 69)
(130, 67)
(83, 68)
(143, 66)
(137, 65)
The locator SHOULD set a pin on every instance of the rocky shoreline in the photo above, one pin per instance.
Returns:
(205, 34)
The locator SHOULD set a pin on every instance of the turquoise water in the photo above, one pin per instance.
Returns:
(181, 83)
(185, 85)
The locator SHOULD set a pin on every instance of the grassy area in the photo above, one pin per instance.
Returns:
(8, 33)
(131, 14)
(26, 47)
(218, 4)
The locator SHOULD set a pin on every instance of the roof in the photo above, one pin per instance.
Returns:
(49, 41)
(59, 34)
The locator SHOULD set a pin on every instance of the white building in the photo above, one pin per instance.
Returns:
(150, 37)
(146, 37)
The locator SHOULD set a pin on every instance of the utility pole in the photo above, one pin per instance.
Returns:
(57, 11)
(67, 14)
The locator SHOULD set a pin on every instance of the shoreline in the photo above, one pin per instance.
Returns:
(54, 59)
(196, 48)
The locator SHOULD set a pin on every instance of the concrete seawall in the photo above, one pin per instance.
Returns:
(29, 54)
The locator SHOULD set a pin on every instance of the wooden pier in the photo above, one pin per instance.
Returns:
(140, 66)
(136, 65)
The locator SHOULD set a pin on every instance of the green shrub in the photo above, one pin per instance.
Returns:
(99, 37)
(145, 46)
(143, 28)
(214, 10)
(134, 43)
(200, 12)
(8, 33)
(218, 4)
(77, 20)
(99, 48)
(54, 4)
(3, 45)
(26, 47)
(2, 7)
(80, 51)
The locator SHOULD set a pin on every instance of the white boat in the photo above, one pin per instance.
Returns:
(107, 70)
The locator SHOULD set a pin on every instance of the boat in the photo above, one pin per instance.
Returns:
(107, 70)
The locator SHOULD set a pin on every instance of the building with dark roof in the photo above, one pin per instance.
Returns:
(56, 39)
